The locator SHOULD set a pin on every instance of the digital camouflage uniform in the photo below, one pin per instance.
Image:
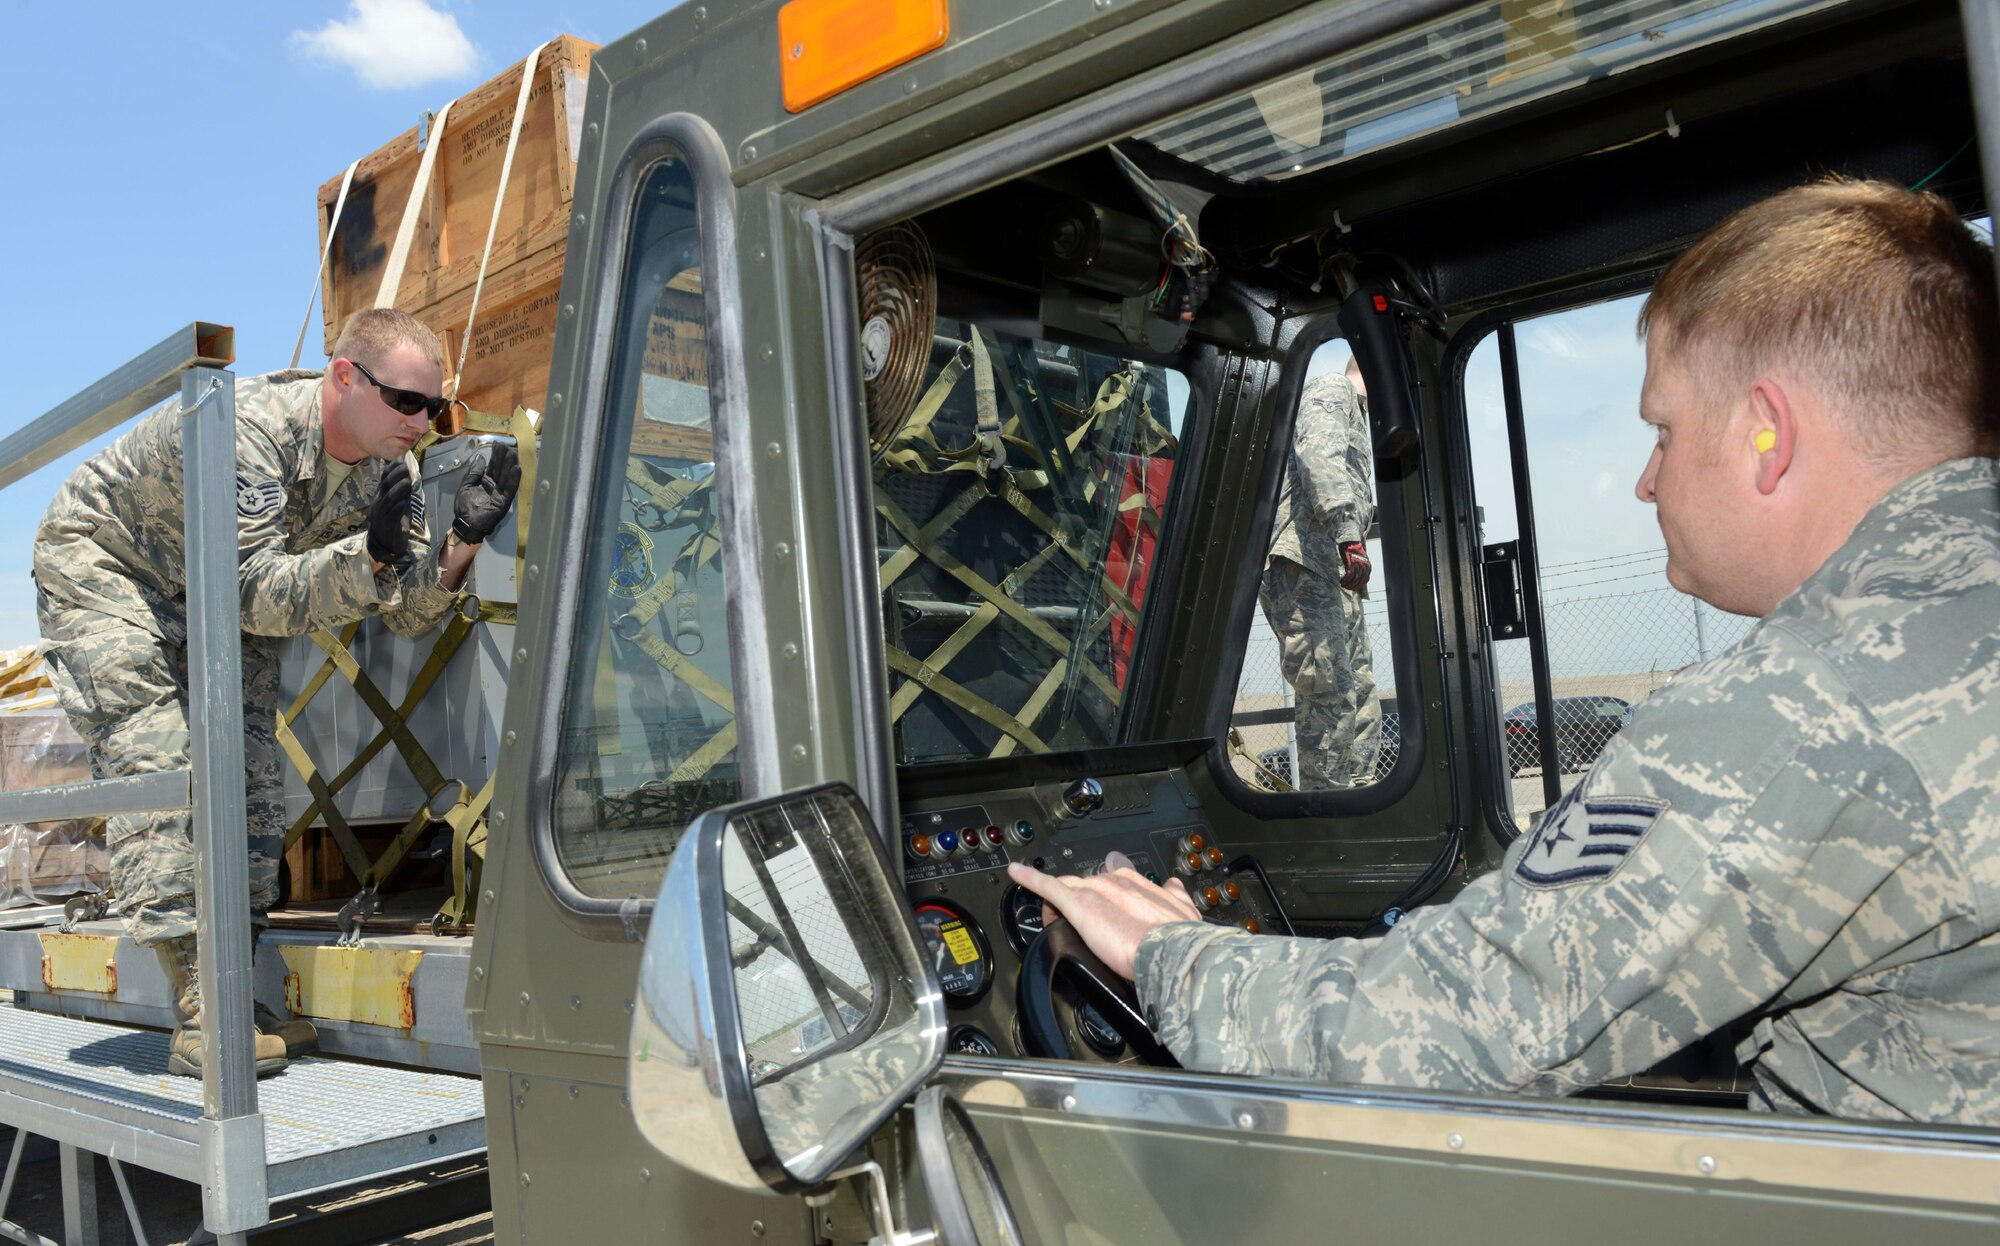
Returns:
(109, 562)
(1325, 500)
(1803, 833)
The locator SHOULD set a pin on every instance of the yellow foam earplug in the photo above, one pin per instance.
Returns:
(1766, 440)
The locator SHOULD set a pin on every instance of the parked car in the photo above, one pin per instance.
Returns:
(1584, 725)
(1278, 760)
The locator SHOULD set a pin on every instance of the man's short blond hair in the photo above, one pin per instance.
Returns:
(369, 335)
(1878, 297)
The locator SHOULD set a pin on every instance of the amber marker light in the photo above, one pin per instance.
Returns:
(827, 46)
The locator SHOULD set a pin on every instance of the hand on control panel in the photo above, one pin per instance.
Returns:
(1113, 909)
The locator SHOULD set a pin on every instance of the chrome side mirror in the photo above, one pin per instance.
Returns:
(784, 1009)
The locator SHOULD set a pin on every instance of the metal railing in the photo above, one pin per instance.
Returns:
(191, 362)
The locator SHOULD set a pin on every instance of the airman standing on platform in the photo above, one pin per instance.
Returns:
(330, 529)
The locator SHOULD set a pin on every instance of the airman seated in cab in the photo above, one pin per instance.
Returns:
(1796, 840)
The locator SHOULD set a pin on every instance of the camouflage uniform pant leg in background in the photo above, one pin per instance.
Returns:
(1339, 723)
(125, 691)
(1367, 709)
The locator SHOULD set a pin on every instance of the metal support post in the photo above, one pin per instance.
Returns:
(79, 1195)
(233, 1193)
(1982, 59)
(1531, 571)
(132, 1216)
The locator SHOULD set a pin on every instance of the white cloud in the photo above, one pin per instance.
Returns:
(393, 44)
(1554, 337)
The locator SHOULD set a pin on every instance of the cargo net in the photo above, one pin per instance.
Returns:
(455, 805)
(1019, 510)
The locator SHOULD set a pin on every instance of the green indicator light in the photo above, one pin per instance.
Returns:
(1025, 830)
(1154, 877)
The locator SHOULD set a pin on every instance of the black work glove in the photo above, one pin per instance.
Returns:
(397, 505)
(485, 494)
(1355, 566)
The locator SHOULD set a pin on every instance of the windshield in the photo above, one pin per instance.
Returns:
(1019, 508)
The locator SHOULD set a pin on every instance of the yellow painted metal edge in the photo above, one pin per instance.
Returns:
(368, 986)
(80, 962)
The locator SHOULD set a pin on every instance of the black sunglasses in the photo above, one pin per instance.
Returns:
(447, 415)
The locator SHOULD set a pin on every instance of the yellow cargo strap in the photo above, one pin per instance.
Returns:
(467, 815)
(1277, 782)
(22, 676)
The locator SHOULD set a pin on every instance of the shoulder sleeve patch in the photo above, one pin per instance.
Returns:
(1581, 840)
(258, 498)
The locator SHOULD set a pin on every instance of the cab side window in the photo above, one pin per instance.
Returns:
(648, 736)
(1316, 705)
(1612, 630)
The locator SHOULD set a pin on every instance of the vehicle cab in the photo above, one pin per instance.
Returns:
(928, 382)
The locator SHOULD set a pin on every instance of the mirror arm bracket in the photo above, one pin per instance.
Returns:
(886, 1233)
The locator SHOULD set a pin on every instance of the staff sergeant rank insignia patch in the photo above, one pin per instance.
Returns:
(257, 499)
(1582, 840)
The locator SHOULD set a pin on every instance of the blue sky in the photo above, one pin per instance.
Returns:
(163, 166)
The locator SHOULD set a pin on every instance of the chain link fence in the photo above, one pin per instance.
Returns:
(782, 1018)
(1607, 653)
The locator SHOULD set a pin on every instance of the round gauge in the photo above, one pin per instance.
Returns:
(970, 1040)
(1098, 1033)
(1020, 916)
(958, 951)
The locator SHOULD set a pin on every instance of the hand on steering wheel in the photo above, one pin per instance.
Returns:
(1060, 952)
(1094, 950)
(1113, 909)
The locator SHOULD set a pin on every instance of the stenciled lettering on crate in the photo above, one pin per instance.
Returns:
(457, 208)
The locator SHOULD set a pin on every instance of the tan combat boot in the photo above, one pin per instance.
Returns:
(299, 1035)
(177, 958)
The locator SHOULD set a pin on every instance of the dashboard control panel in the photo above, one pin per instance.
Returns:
(976, 923)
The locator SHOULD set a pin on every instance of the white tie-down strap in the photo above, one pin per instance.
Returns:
(499, 198)
(406, 229)
(326, 253)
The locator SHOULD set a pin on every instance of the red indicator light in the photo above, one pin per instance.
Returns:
(1381, 303)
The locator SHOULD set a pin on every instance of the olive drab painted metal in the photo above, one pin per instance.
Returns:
(1086, 1152)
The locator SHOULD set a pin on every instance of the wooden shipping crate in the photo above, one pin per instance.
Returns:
(507, 361)
(458, 206)
(316, 870)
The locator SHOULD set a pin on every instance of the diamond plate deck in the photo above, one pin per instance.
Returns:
(326, 1121)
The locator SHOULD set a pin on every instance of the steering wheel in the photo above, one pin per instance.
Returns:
(1060, 950)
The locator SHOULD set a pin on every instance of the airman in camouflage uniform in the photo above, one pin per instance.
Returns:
(1325, 506)
(109, 561)
(110, 567)
(1795, 842)
(1795, 832)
